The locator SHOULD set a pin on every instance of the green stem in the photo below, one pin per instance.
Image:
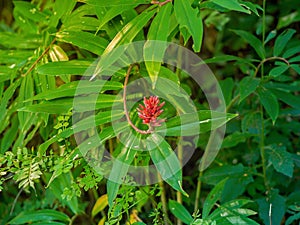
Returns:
(260, 65)
(163, 199)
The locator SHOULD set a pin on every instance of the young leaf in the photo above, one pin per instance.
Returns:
(282, 40)
(247, 86)
(180, 212)
(270, 102)
(281, 159)
(253, 41)
(189, 21)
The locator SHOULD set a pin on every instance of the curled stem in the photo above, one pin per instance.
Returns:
(150, 130)
(269, 59)
(160, 3)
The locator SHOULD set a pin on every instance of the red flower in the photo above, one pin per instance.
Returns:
(151, 111)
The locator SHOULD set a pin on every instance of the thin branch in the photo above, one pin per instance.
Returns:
(39, 58)
(269, 59)
(149, 131)
(160, 3)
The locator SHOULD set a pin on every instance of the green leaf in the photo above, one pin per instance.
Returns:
(287, 98)
(153, 50)
(234, 139)
(76, 88)
(165, 161)
(277, 71)
(118, 3)
(231, 5)
(73, 67)
(291, 51)
(270, 36)
(270, 102)
(213, 196)
(247, 86)
(253, 41)
(120, 167)
(272, 209)
(20, 41)
(195, 123)
(281, 159)
(290, 18)
(61, 9)
(130, 30)
(282, 40)
(39, 215)
(189, 21)
(294, 59)
(180, 212)
(84, 40)
(227, 89)
(80, 104)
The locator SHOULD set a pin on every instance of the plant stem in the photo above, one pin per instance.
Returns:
(260, 65)
(180, 155)
(125, 105)
(39, 58)
(163, 199)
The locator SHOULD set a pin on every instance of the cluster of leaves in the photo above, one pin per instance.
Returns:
(46, 47)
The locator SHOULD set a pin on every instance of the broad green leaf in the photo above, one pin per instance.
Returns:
(291, 51)
(154, 51)
(195, 123)
(247, 86)
(85, 40)
(76, 88)
(61, 9)
(180, 212)
(270, 102)
(252, 123)
(277, 71)
(166, 161)
(80, 104)
(296, 67)
(287, 98)
(272, 208)
(294, 59)
(211, 199)
(20, 41)
(29, 11)
(281, 159)
(39, 215)
(189, 21)
(130, 30)
(253, 41)
(119, 3)
(231, 5)
(120, 166)
(73, 67)
(282, 40)
(100, 204)
(234, 139)
(290, 18)
(227, 89)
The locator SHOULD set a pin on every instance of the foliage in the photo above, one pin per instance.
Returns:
(62, 105)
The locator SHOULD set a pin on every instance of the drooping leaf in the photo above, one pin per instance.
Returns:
(270, 102)
(253, 41)
(282, 40)
(281, 159)
(166, 161)
(247, 86)
(84, 40)
(180, 212)
(189, 21)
